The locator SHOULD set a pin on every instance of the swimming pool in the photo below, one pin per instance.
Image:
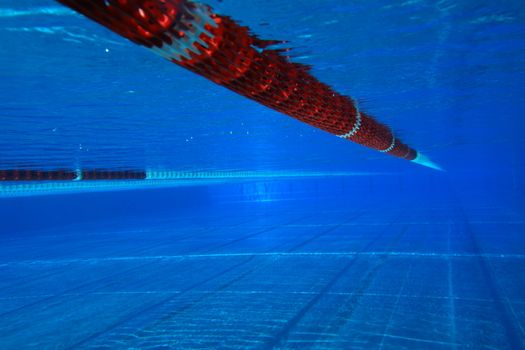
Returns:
(259, 231)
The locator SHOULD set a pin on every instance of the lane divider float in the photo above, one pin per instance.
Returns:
(192, 36)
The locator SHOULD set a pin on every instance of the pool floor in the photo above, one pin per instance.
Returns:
(264, 275)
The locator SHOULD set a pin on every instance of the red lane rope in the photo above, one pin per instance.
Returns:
(191, 35)
(65, 174)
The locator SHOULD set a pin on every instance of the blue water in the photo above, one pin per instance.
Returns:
(352, 249)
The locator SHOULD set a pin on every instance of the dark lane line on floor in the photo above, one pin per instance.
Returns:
(136, 313)
(102, 279)
(78, 287)
(281, 336)
(222, 287)
(346, 309)
(254, 234)
(509, 323)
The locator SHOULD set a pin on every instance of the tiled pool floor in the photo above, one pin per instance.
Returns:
(270, 275)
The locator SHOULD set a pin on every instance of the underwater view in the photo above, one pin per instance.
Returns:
(227, 174)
